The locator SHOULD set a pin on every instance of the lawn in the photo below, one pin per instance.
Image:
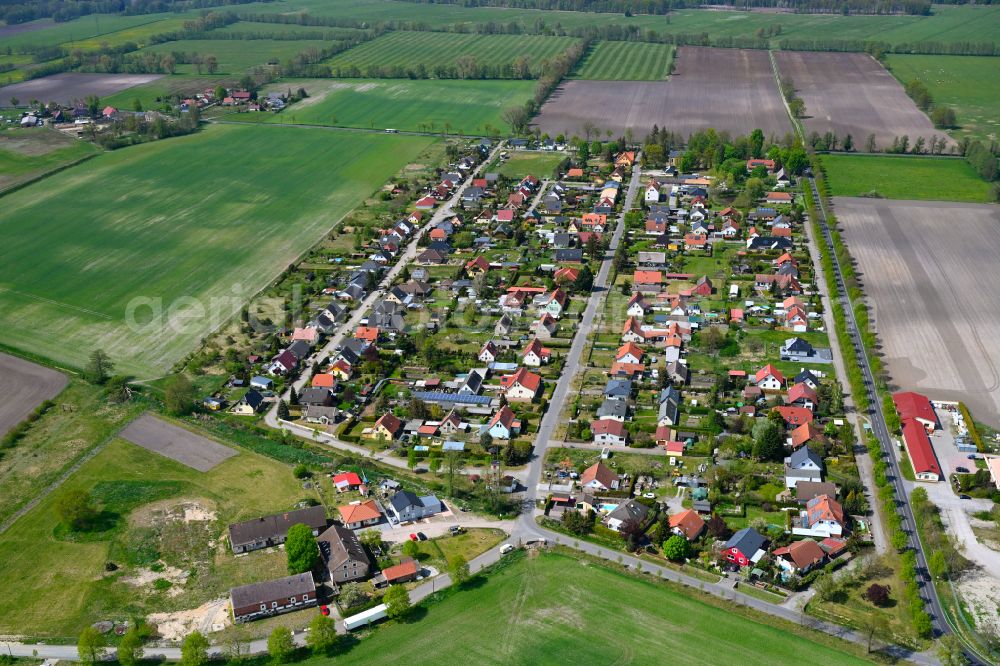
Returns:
(470, 107)
(42, 562)
(969, 84)
(521, 164)
(27, 153)
(409, 50)
(903, 177)
(237, 56)
(626, 61)
(554, 609)
(143, 251)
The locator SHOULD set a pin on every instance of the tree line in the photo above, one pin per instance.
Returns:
(67, 10)
(660, 7)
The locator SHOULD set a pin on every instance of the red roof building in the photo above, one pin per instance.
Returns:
(795, 416)
(346, 481)
(910, 405)
(920, 451)
(688, 524)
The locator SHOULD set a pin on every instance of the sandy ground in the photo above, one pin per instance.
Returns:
(146, 578)
(730, 90)
(24, 386)
(176, 443)
(851, 93)
(70, 86)
(207, 618)
(929, 274)
(982, 598)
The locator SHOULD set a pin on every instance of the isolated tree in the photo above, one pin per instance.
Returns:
(283, 412)
(584, 281)
(873, 625)
(877, 594)
(98, 368)
(372, 539)
(397, 602)
(220, 93)
(322, 636)
(631, 530)
(194, 649)
(458, 569)
(301, 549)
(280, 645)
(767, 441)
(76, 509)
(825, 587)
(410, 548)
(944, 117)
(178, 394)
(130, 647)
(91, 645)
(717, 527)
(352, 594)
(676, 548)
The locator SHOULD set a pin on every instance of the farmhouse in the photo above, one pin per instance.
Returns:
(257, 600)
(271, 530)
(346, 559)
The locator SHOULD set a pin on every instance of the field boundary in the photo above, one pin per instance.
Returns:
(46, 174)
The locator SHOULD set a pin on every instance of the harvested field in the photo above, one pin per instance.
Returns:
(851, 93)
(176, 443)
(24, 386)
(70, 86)
(730, 90)
(928, 270)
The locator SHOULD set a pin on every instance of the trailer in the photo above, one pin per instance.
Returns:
(365, 618)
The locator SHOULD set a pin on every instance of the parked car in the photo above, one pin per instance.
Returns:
(413, 537)
(325, 610)
(964, 497)
(421, 536)
(506, 548)
(962, 470)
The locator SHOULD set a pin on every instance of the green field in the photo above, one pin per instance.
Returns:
(626, 61)
(26, 153)
(969, 84)
(521, 164)
(448, 105)
(286, 29)
(554, 609)
(43, 563)
(236, 56)
(211, 217)
(84, 28)
(902, 177)
(412, 49)
(964, 23)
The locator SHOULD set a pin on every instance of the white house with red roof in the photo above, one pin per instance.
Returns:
(489, 353)
(346, 481)
(535, 355)
(609, 432)
(503, 424)
(911, 405)
(521, 386)
(629, 353)
(769, 378)
(822, 517)
(599, 477)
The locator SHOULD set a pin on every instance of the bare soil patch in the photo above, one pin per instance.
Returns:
(176, 443)
(70, 86)
(731, 90)
(207, 618)
(20, 28)
(851, 93)
(25, 385)
(929, 274)
(34, 141)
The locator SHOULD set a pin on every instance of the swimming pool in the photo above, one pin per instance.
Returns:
(608, 508)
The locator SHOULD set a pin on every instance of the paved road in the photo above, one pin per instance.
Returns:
(928, 592)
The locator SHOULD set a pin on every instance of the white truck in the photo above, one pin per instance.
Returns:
(365, 618)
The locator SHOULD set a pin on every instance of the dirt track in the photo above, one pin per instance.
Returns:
(176, 443)
(71, 86)
(851, 93)
(929, 273)
(24, 386)
(731, 90)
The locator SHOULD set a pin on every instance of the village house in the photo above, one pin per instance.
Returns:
(406, 507)
(347, 481)
(489, 352)
(744, 548)
(769, 379)
(387, 427)
(624, 512)
(522, 386)
(249, 404)
(535, 355)
(407, 570)
(799, 557)
(803, 465)
(273, 597)
(599, 477)
(609, 432)
(345, 557)
(504, 424)
(669, 406)
(687, 524)
(272, 530)
(822, 517)
(356, 516)
(801, 395)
